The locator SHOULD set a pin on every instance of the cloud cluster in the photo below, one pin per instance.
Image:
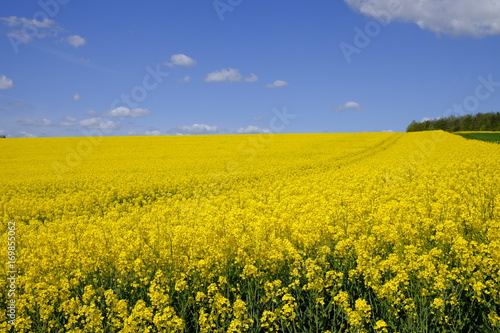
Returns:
(223, 75)
(348, 105)
(277, 84)
(75, 41)
(196, 129)
(20, 134)
(181, 60)
(15, 21)
(102, 121)
(5, 82)
(229, 75)
(95, 123)
(44, 122)
(24, 30)
(126, 112)
(476, 18)
(99, 123)
(252, 78)
(251, 129)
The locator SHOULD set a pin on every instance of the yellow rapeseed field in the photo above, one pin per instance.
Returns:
(367, 232)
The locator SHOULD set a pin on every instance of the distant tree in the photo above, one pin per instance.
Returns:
(479, 122)
(426, 125)
(495, 121)
(441, 124)
(455, 124)
(2, 136)
(467, 123)
(413, 127)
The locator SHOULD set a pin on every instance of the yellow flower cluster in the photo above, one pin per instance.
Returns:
(367, 232)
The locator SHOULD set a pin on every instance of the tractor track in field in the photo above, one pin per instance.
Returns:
(370, 151)
(347, 159)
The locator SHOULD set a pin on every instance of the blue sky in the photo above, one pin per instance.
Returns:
(127, 67)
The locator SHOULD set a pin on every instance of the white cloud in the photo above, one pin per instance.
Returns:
(25, 134)
(90, 122)
(277, 84)
(20, 36)
(181, 60)
(20, 134)
(153, 132)
(258, 118)
(35, 122)
(76, 97)
(429, 119)
(185, 79)
(25, 30)
(148, 132)
(11, 21)
(68, 121)
(15, 21)
(75, 40)
(196, 129)
(5, 82)
(231, 75)
(348, 105)
(126, 112)
(100, 124)
(251, 78)
(91, 113)
(252, 129)
(477, 18)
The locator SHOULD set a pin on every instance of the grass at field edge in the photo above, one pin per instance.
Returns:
(482, 136)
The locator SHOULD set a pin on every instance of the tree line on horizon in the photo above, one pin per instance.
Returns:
(478, 122)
